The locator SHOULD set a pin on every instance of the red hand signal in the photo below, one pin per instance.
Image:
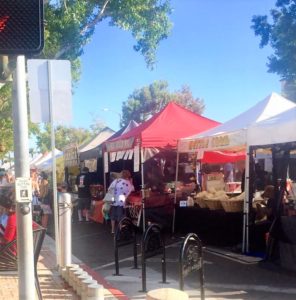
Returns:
(3, 21)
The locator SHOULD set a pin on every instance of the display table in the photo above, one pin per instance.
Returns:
(96, 214)
(215, 227)
(154, 200)
(158, 207)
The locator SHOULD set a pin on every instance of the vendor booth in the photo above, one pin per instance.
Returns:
(278, 136)
(90, 156)
(93, 159)
(232, 137)
(143, 144)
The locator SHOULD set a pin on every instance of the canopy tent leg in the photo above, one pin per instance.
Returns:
(245, 242)
(175, 196)
(142, 189)
(106, 169)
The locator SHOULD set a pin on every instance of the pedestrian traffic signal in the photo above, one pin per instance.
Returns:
(21, 26)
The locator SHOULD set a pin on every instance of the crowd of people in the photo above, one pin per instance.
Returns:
(42, 200)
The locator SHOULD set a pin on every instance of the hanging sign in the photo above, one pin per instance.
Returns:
(137, 159)
(120, 145)
(23, 189)
(70, 154)
(106, 162)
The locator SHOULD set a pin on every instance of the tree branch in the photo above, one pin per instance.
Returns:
(93, 23)
(97, 19)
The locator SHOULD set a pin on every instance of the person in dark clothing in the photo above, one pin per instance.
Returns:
(260, 178)
(243, 180)
(83, 182)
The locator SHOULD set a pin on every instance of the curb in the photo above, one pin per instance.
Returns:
(50, 243)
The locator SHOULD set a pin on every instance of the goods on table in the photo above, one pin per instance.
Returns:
(213, 204)
(234, 204)
(215, 200)
(211, 199)
(232, 187)
(199, 199)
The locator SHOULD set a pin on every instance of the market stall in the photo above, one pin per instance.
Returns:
(160, 132)
(232, 136)
(86, 155)
(278, 135)
(92, 158)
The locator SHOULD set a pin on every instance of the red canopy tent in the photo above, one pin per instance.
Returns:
(163, 129)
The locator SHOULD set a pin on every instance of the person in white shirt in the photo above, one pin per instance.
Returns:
(121, 188)
(3, 178)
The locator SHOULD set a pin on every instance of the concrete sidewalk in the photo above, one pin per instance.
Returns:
(52, 284)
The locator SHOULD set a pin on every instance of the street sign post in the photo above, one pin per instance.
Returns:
(50, 97)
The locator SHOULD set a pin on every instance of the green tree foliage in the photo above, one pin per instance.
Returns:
(6, 128)
(63, 137)
(70, 25)
(280, 34)
(147, 101)
(289, 89)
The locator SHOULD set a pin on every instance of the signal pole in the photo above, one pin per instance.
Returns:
(23, 209)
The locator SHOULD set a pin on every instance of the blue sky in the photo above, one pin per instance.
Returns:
(212, 49)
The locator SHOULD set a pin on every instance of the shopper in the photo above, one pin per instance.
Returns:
(121, 188)
(3, 178)
(45, 199)
(3, 219)
(83, 182)
(228, 172)
(8, 205)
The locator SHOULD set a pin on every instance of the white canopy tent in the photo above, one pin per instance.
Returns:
(277, 129)
(45, 158)
(92, 149)
(233, 136)
(35, 159)
(47, 164)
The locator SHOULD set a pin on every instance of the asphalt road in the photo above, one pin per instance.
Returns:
(226, 276)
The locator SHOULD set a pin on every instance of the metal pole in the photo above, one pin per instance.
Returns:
(135, 250)
(175, 196)
(23, 210)
(201, 277)
(104, 171)
(116, 258)
(245, 243)
(143, 258)
(143, 191)
(54, 175)
(247, 192)
(65, 205)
